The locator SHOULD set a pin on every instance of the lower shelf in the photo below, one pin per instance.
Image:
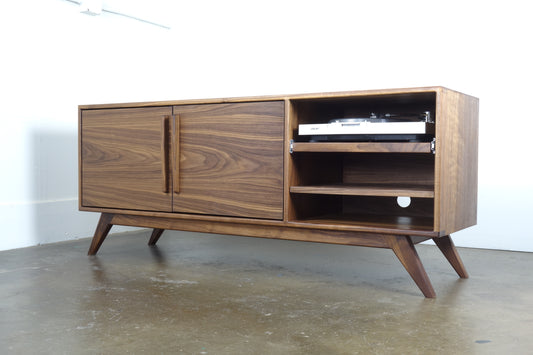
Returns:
(414, 225)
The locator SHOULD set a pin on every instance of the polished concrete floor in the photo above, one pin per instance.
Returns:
(210, 294)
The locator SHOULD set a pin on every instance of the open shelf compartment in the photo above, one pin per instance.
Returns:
(361, 189)
(324, 109)
(376, 213)
(355, 184)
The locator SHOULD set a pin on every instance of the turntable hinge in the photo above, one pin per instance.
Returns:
(433, 146)
(291, 146)
(427, 117)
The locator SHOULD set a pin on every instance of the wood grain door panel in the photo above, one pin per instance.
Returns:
(124, 157)
(230, 159)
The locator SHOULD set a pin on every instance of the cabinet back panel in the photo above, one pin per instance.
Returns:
(321, 110)
(387, 206)
(389, 169)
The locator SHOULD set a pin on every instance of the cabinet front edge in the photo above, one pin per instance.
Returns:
(305, 96)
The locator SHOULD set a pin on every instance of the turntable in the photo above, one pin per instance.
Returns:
(382, 127)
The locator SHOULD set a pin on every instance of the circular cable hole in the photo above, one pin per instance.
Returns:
(403, 201)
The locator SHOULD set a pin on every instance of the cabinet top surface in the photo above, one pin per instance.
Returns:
(310, 96)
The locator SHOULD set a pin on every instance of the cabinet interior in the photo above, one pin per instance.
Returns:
(322, 110)
(358, 187)
(362, 189)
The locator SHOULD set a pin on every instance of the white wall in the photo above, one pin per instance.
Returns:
(54, 58)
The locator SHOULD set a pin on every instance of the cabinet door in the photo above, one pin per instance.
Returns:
(124, 158)
(229, 159)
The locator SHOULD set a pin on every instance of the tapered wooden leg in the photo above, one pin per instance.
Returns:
(405, 250)
(155, 236)
(102, 229)
(447, 248)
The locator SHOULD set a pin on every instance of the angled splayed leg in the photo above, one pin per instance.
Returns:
(447, 248)
(102, 229)
(156, 234)
(404, 249)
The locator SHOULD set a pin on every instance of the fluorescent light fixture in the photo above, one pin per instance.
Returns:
(126, 9)
(91, 7)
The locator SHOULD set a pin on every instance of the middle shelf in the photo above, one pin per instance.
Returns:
(363, 147)
(393, 190)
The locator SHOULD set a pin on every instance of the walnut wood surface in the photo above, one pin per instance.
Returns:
(389, 169)
(405, 251)
(165, 153)
(456, 161)
(390, 224)
(231, 159)
(156, 234)
(366, 190)
(402, 246)
(122, 163)
(363, 147)
(404, 94)
(102, 230)
(447, 247)
(253, 230)
(176, 153)
(224, 166)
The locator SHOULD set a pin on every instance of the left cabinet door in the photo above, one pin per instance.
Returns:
(124, 158)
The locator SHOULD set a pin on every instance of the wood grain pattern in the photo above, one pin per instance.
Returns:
(223, 166)
(456, 161)
(388, 206)
(402, 246)
(289, 171)
(122, 162)
(366, 190)
(231, 159)
(405, 251)
(300, 233)
(387, 169)
(176, 153)
(401, 93)
(314, 169)
(447, 247)
(102, 230)
(363, 147)
(373, 223)
(165, 153)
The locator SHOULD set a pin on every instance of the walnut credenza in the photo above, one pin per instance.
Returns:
(238, 166)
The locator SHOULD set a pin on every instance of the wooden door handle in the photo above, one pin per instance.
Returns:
(164, 152)
(176, 154)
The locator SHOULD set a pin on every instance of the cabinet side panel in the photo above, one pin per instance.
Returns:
(456, 161)
(80, 186)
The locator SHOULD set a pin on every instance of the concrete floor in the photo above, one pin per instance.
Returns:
(210, 294)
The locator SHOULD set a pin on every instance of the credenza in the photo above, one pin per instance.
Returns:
(238, 166)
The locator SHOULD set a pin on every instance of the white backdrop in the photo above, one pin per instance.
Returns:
(54, 58)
